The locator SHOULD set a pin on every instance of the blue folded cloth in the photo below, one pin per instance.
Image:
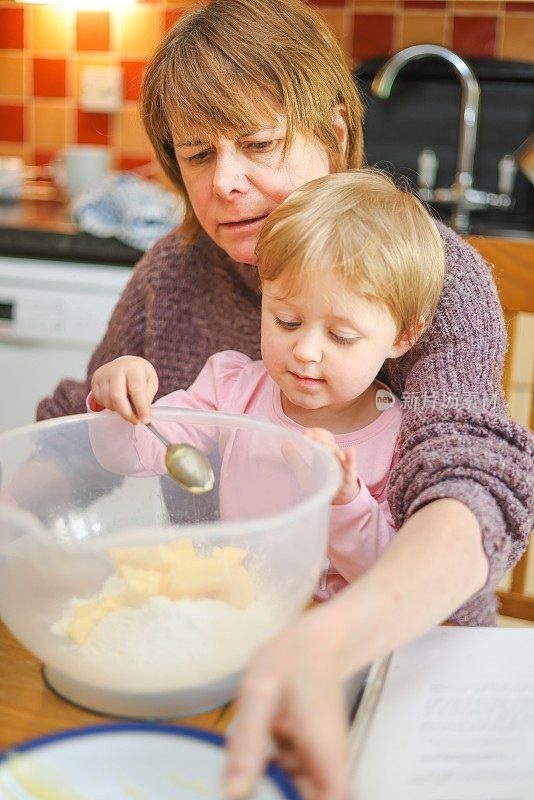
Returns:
(134, 210)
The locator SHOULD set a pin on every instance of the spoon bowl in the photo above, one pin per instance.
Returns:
(186, 464)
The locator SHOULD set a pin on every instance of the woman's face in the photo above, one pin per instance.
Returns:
(233, 184)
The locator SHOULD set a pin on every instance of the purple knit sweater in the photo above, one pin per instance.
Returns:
(182, 305)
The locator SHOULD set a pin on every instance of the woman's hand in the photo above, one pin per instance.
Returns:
(126, 385)
(292, 694)
(350, 488)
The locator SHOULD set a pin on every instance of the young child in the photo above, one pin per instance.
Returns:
(351, 270)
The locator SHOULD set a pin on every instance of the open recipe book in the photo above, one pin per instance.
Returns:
(448, 717)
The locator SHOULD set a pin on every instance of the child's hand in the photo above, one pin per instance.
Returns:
(350, 488)
(127, 386)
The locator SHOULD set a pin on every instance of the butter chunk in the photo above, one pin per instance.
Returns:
(174, 571)
(138, 557)
(87, 615)
(240, 591)
(234, 555)
(181, 547)
(141, 583)
(202, 577)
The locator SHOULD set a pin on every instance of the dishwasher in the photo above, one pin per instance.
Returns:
(52, 315)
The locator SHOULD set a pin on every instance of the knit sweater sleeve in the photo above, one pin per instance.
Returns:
(456, 439)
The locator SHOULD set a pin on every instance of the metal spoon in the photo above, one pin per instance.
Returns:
(186, 464)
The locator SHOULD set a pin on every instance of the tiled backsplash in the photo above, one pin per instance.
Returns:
(43, 50)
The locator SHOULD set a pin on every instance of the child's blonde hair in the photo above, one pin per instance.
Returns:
(377, 237)
(228, 63)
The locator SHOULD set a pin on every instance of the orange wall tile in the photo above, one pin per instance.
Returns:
(12, 149)
(132, 136)
(139, 29)
(337, 21)
(422, 29)
(49, 124)
(49, 26)
(93, 30)
(43, 49)
(518, 37)
(11, 75)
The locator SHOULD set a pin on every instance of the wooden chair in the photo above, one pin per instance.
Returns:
(513, 265)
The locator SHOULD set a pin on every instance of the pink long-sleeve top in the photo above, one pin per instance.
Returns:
(233, 383)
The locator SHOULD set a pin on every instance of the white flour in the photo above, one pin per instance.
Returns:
(167, 645)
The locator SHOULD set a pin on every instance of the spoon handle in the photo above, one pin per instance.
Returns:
(155, 431)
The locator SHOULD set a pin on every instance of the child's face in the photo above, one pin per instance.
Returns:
(324, 346)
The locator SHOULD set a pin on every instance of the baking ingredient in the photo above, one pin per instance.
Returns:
(167, 619)
(166, 645)
(174, 571)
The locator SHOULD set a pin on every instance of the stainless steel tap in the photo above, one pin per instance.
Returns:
(461, 195)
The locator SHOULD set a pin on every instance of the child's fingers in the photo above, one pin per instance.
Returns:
(350, 464)
(98, 388)
(327, 439)
(126, 385)
(140, 396)
(298, 465)
(118, 397)
(350, 486)
(350, 475)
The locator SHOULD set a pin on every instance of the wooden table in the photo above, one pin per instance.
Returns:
(28, 708)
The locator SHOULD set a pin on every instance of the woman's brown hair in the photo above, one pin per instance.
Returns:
(225, 64)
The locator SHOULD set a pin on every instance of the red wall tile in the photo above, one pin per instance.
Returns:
(132, 74)
(49, 77)
(474, 36)
(434, 4)
(92, 128)
(12, 28)
(43, 157)
(171, 17)
(11, 123)
(522, 8)
(92, 30)
(372, 35)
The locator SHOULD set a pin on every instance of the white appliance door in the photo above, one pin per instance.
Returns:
(52, 315)
(29, 372)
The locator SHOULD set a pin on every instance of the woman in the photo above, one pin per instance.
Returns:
(244, 101)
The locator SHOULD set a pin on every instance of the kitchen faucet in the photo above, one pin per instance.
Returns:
(461, 195)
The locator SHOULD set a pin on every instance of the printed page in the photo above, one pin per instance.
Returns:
(450, 717)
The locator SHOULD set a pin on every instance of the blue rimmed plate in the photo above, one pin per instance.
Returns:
(134, 761)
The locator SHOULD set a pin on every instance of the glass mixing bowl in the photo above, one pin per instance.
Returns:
(141, 599)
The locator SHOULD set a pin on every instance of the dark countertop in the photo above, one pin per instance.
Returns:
(44, 229)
